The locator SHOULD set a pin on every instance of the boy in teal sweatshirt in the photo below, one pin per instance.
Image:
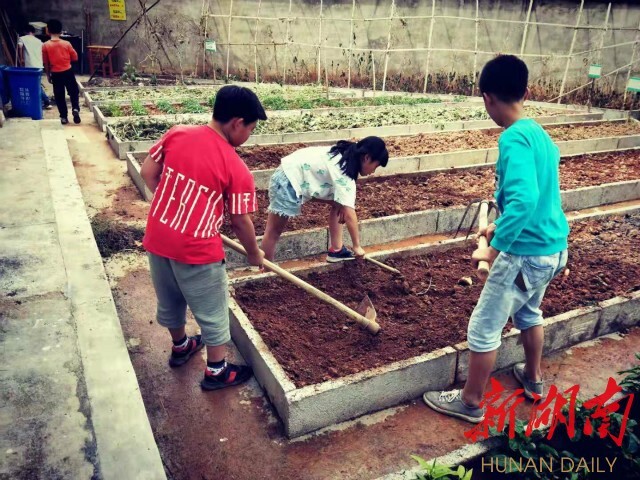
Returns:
(527, 244)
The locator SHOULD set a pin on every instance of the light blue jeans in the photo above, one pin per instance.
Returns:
(515, 288)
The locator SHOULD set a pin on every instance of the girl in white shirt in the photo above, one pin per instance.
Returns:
(323, 174)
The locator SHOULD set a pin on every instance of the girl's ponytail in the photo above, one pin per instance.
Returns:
(351, 154)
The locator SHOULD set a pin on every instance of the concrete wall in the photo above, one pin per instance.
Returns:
(180, 28)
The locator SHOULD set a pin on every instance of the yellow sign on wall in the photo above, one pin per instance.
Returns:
(117, 10)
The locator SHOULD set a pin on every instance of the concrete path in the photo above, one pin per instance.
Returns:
(70, 405)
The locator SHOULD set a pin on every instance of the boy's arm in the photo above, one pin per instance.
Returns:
(45, 62)
(20, 52)
(72, 53)
(241, 200)
(520, 190)
(246, 233)
(151, 172)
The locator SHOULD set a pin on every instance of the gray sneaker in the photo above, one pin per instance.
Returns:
(450, 403)
(529, 387)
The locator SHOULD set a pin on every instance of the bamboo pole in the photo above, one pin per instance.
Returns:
(364, 322)
(320, 40)
(229, 36)
(286, 44)
(475, 55)
(386, 55)
(483, 267)
(426, 69)
(526, 28)
(373, 68)
(428, 17)
(206, 26)
(353, 12)
(255, 43)
(633, 56)
(573, 42)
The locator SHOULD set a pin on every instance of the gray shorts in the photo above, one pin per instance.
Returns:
(204, 288)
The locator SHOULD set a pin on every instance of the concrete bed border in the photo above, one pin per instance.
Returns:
(306, 409)
(121, 147)
(124, 438)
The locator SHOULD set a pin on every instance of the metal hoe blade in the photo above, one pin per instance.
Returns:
(366, 309)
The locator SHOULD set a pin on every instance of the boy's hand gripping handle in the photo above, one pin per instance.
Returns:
(483, 222)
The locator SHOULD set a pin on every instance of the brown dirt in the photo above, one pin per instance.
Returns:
(378, 196)
(113, 236)
(263, 157)
(426, 309)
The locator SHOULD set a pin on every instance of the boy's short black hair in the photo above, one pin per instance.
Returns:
(233, 101)
(28, 28)
(506, 77)
(54, 26)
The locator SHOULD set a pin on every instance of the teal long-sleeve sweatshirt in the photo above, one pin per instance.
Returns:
(528, 193)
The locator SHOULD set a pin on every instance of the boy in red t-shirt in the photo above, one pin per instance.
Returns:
(57, 55)
(193, 171)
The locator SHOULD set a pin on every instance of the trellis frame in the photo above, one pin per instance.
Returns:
(321, 47)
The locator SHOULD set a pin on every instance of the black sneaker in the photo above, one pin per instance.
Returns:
(47, 106)
(180, 356)
(64, 120)
(76, 116)
(341, 256)
(230, 376)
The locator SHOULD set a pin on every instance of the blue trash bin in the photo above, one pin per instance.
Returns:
(4, 85)
(24, 86)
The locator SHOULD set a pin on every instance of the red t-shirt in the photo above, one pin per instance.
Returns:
(201, 172)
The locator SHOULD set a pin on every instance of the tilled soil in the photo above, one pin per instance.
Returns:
(380, 196)
(263, 157)
(424, 310)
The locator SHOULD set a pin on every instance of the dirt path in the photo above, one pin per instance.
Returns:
(263, 157)
(426, 309)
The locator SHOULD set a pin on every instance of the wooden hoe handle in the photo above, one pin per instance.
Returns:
(364, 322)
(483, 221)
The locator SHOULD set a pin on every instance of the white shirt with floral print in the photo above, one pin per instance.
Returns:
(314, 174)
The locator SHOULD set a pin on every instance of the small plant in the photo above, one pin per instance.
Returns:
(165, 106)
(433, 471)
(191, 105)
(130, 75)
(112, 110)
(631, 382)
(138, 109)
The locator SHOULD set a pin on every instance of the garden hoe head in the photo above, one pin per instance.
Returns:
(366, 309)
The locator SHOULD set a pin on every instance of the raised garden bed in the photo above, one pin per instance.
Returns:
(319, 369)
(378, 196)
(139, 134)
(432, 203)
(261, 157)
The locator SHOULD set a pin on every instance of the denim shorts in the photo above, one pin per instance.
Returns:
(515, 288)
(283, 199)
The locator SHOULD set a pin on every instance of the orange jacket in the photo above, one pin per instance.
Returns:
(58, 54)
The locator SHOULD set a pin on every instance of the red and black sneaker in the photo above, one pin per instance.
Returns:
(230, 376)
(180, 356)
